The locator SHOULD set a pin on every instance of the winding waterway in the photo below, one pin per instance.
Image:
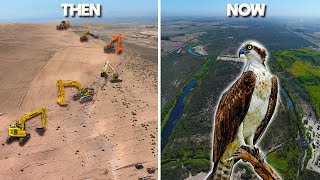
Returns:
(175, 115)
(302, 140)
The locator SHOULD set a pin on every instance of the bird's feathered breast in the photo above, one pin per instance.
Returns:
(271, 108)
(231, 111)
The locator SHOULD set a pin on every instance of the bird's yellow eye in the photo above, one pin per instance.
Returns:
(249, 46)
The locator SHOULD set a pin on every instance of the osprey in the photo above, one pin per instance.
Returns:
(244, 110)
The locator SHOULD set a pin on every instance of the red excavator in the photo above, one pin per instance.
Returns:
(109, 48)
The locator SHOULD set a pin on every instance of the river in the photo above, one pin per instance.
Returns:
(175, 115)
(190, 50)
(302, 140)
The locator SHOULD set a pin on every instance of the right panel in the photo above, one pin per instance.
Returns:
(240, 90)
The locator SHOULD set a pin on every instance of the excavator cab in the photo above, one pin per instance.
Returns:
(84, 36)
(109, 48)
(18, 129)
(86, 94)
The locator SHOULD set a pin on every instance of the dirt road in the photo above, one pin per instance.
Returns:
(102, 139)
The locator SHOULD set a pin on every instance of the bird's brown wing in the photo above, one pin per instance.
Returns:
(231, 111)
(270, 111)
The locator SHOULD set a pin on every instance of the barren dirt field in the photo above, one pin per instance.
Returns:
(101, 139)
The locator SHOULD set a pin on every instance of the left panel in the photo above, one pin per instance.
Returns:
(79, 95)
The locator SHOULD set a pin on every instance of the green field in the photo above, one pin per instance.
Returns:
(303, 66)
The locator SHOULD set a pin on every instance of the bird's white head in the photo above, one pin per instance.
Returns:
(254, 52)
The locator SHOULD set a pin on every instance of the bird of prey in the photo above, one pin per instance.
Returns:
(244, 110)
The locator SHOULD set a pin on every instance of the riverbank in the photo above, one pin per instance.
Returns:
(175, 115)
(198, 74)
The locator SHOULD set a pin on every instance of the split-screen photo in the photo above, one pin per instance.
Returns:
(160, 89)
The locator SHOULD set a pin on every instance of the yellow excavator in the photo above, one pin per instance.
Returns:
(18, 130)
(63, 25)
(84, 36)
(109, 48)
(85, 94)
(115, 76)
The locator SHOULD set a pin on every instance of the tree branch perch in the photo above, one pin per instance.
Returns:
(261, 168)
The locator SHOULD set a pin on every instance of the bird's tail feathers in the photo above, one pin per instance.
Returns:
(221, 171)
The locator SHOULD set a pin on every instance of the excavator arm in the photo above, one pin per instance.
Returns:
(115, 76)
(60, 86)
(112, 69)
(88, 32)
(33, 114)
(119, 48)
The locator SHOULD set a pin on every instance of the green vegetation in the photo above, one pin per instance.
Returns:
(285, 162)
(299, 74)
(280, 164)
(308, 156)
(303, 66)
(197, 165)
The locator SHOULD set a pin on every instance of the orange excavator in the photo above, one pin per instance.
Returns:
(109, 48)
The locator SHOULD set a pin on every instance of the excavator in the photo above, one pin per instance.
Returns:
(63, 25)
(115, 76)
(109, 48)
(84, 36)
(85, 94)
(18, 130)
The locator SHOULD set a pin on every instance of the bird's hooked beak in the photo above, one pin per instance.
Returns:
(243, 51)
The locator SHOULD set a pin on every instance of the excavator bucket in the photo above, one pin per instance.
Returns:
(119, 50)
(40, 131)
(104, 74)
(61, 100)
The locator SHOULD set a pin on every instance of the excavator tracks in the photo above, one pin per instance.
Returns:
(85, 99)
(24, 139)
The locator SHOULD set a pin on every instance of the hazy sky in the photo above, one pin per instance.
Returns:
(17, 10)
(275, 8)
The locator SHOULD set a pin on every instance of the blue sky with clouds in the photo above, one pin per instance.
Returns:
(17, 10)
(279, 8)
